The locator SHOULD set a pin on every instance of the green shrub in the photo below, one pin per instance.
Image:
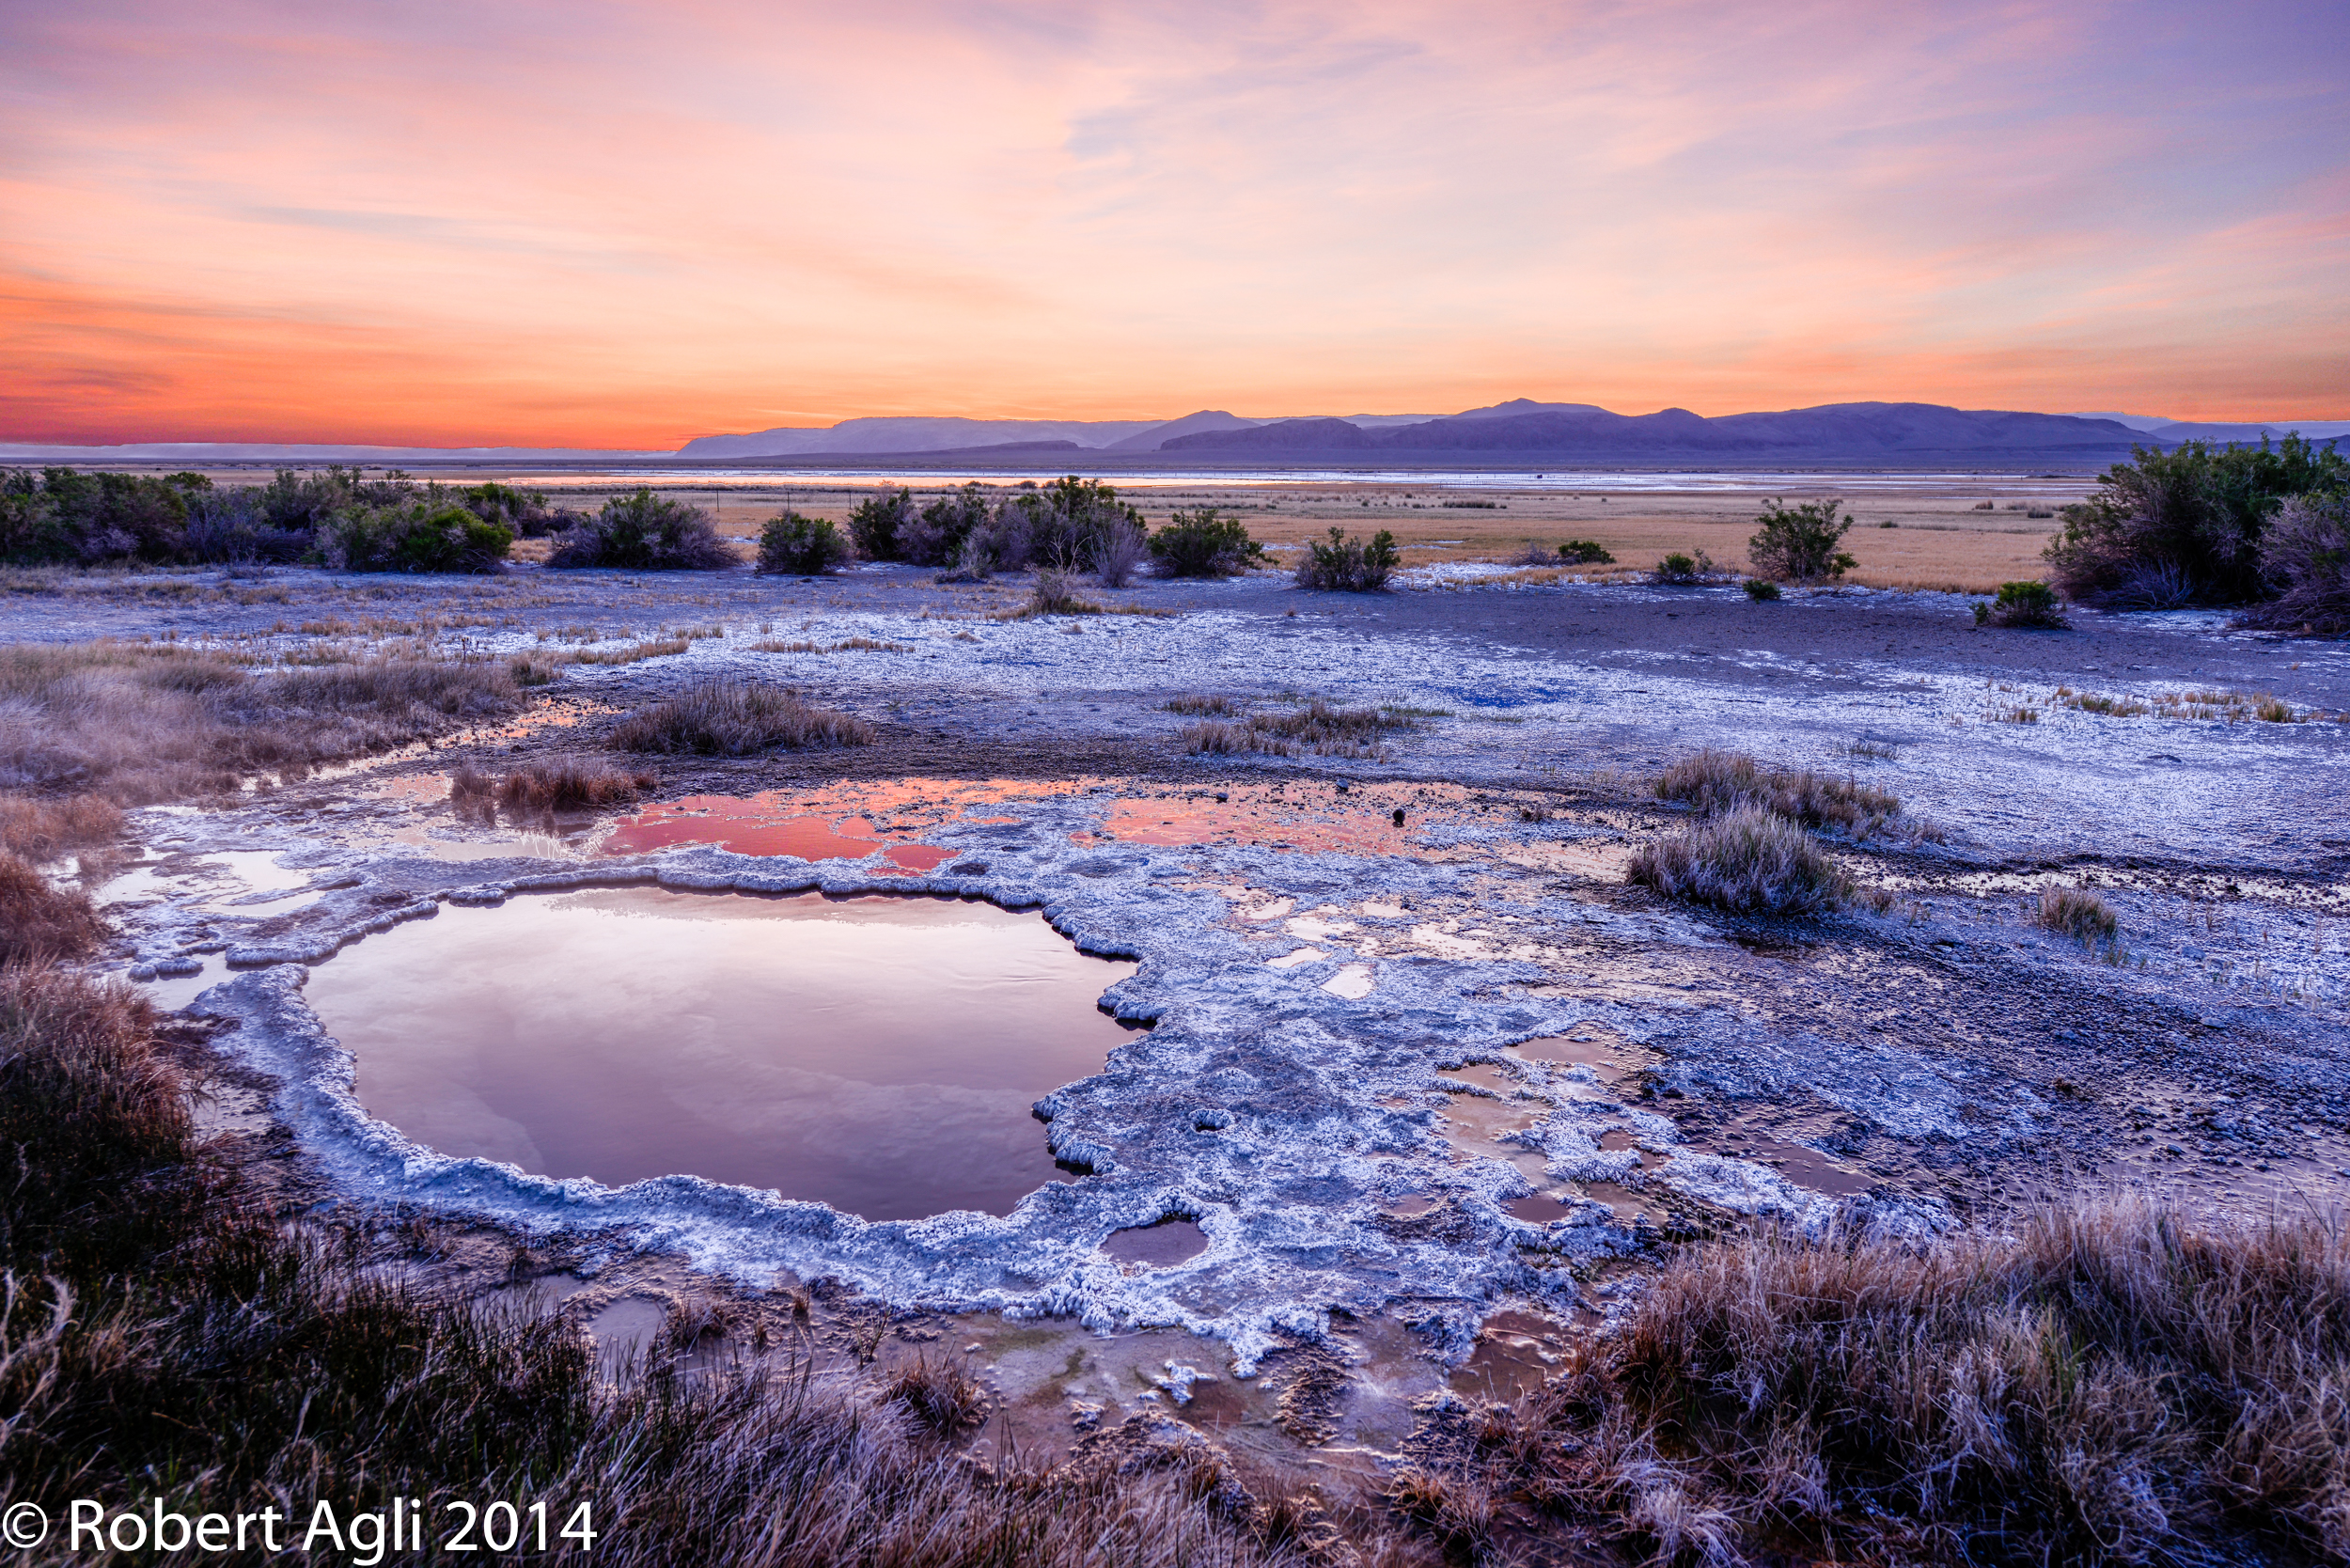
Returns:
(1204, 543)
(413, 537)
(2020, 605)
(2194, 517)
(644, 532)
(874, 525)
(1071, 521)
(63, 517)
(1762, 589)
(801, 546)
(1348, 565)
(1584, 552)
(526, 511)
(937, 536)
(1798, 543)
(2305, 558)
(1682, 569)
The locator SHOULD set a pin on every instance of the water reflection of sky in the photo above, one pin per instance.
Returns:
(879, 1055)
(1566, 481)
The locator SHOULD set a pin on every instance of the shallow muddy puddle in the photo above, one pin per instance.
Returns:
(1611, 1061)
(1516, 1354)
(235, 881)
(880, 1054)
(1160, 1245)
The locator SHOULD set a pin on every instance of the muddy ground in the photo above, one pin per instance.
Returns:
(1428, 1093)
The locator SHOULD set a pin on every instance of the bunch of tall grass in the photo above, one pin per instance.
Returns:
(41, 921)
(559, 784)
(1317, 727)
(1346, 564)
(2079, 914)
(41, 827)
(2116, 1384)
(644, 532)
(1748, 861)
(734, 718)
(134, 724)
(1712, 782)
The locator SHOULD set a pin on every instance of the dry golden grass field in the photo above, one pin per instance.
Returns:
(1939, 539)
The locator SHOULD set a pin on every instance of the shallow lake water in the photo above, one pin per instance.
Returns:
(878, 1054)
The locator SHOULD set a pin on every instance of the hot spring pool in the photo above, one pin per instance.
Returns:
(880, 1054)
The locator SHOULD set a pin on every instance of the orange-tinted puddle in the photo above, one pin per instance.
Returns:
(1805, 1167)
(1159, 1246)
(880, 1054)
(844, 822)
(745, 829)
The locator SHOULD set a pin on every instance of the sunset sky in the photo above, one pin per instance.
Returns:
(601, 224)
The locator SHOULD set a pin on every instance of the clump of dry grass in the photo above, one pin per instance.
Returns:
(732, 719)
(942, 1395)
(635, 652)
(1715, 782)
(133, 724)
(529, 669)
(1748, 861)
(1317, 727)
(2081, 915)
(852, 645)
(43, 828)
(1051, 595)
(567, 784)
(2115, 1385)
(40, 921)
(1218, 706)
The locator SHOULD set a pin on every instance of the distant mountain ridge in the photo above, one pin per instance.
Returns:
(1834, 432)
(1522, 428)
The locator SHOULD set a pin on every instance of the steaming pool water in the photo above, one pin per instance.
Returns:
(880, 1054)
